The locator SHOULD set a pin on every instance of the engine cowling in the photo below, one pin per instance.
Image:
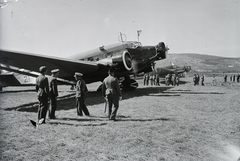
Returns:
(121, 62)
(161, 50)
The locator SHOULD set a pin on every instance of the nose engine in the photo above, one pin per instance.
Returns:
(161, 50)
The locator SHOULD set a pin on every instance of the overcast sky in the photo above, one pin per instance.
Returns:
(66, 27)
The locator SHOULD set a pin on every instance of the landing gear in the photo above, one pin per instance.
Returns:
(129, 84)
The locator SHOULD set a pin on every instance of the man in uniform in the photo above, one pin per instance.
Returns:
(167, 80)
(157, 80)
(198, 79)
(194, 79)
(214, 81)
(225, 78)
(177, 80)
(145, 79)
(202, 80)
(112, 94)
(53, 93)
(42, 89)
(81, 91)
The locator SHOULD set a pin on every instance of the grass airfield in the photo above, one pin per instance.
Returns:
(185, 122)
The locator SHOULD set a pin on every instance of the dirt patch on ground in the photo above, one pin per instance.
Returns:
(153, 123)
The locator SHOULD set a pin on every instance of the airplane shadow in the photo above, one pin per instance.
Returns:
(95, 98)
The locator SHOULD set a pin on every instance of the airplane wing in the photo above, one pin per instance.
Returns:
(8, 79)
(32, 62)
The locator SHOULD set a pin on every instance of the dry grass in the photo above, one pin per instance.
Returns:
(154, 123)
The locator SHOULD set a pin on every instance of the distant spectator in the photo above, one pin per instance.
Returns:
(202, 80)
(195, 80)
(198, 79)
(214, 81)
(177, 80)
(167, 80)
(145, 79)
(157, 80)
(225, 78)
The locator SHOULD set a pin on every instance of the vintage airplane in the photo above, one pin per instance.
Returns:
(128, 58)
(171, 69)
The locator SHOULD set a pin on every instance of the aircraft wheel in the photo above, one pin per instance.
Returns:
(129, 85)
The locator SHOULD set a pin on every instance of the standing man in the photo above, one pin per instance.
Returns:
(202, 80)
(195, 80)
(214, 81)
(198, 79)
(112, 94)
(157, 80)
(81, 91)
(225, 78)
(145, 79)
(53, 93)
(42, 89)
(177, 80)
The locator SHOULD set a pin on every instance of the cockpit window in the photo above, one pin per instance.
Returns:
(136, 44)
(90, 59)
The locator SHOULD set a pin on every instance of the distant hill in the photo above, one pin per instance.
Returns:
(203, 63)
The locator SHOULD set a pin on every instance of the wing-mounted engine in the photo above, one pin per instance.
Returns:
(121, 61)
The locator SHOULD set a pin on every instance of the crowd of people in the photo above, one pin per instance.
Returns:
(154, 79)
(172, 79)
(151, 79)
(197, 79)
(232, 78)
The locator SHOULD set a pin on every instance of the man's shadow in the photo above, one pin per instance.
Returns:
(101, 121)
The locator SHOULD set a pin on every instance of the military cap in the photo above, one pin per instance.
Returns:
(43, 69)
(78, 74)
(55, 71)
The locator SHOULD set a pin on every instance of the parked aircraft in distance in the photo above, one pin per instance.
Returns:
(171, 69)
(128, 58)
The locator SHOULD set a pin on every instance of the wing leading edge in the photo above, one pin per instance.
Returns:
(32, 62)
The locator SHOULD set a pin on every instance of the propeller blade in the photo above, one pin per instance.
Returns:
(135, 66)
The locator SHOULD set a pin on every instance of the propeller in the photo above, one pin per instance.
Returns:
(135, 66)
(166, 48)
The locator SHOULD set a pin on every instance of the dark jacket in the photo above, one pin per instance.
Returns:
(42, 87)
(53, 89)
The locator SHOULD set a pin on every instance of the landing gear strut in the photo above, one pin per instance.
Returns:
(129, 84)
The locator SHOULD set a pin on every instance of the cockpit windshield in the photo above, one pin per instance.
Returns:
(135, 44)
